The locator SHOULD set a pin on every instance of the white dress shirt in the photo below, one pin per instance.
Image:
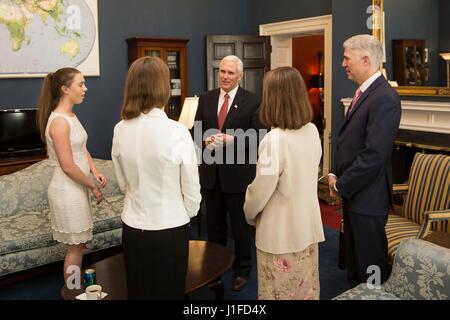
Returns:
(231, 96)
(156, 167)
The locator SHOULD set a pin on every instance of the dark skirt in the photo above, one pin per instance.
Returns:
(156, 262)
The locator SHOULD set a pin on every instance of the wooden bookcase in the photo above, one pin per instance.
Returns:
(173, 52)
(410, 62)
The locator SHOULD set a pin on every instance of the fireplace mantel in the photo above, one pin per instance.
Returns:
(428, 116)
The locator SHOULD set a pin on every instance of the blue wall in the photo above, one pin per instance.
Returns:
(444, 35)
(268, 11)
(343, 28)
(119, 20)
(195, 19)
(413, 19)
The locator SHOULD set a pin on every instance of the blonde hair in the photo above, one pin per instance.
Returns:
(147, 86)
(285, 102)
(51, 94)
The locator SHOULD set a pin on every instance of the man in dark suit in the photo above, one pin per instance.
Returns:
(361, 173)
(229, 160)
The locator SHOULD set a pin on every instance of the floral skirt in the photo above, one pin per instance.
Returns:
(289, 276)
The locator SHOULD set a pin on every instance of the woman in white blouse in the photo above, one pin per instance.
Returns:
(282, 200)
(156, 167)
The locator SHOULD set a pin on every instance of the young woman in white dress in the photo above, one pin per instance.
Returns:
(68, 192)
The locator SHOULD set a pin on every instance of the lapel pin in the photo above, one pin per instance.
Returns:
(236, 106)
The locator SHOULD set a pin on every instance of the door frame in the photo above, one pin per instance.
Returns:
(281, 34)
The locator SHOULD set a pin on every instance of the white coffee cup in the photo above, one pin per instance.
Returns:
(94, 292)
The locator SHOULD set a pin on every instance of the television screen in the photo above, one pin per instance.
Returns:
(18, 132)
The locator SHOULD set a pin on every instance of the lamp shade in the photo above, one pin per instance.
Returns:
(445, 55)
(188, 112)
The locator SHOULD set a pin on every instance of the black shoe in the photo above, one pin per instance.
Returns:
(239, 283)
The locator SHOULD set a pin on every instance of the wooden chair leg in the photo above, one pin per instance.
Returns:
(341, 253)
(199, 221)
(219, 289)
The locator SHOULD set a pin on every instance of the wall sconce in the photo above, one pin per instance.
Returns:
(446, 57)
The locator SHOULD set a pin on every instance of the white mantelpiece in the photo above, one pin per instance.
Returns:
(426, 116)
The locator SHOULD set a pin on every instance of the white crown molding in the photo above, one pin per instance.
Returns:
(428, 116)
(292, 26)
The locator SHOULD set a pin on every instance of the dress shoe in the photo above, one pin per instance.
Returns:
(239, 283)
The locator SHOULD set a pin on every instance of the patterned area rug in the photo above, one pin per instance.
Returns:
(324, 193)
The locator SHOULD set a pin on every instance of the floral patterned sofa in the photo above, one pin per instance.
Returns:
(25, 235)
(421, 271)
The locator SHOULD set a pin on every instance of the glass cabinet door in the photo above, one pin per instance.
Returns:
(153, 53)
(173, 59)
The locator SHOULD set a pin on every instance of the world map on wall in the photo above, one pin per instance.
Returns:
(41, 36)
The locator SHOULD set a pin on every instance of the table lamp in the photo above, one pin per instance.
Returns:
(446, 57)
(188, 112)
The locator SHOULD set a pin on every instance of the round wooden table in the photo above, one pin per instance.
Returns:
(207, 262)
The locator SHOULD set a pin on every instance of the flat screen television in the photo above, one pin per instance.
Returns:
(19, 135)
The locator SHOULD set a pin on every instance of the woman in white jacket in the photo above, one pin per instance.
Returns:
(155, 163)
(282, 200)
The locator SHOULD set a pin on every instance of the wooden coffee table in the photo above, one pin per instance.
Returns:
(207, 262)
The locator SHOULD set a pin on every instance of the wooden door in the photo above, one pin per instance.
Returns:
(254, 51)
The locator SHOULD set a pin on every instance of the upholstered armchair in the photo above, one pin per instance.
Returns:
(426, 205)
(421, 271)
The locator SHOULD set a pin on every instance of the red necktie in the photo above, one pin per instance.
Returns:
(223, 112)
(358, 94)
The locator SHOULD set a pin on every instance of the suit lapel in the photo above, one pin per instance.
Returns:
(212, 110)
(363, 97)
(235, 109)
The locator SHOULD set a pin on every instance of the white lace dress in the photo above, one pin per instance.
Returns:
(70, 209)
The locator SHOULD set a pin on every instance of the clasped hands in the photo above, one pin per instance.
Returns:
(218, 140)
(101, 182)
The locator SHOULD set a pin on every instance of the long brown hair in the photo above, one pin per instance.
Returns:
(147, 86)
(51, 94)
(285, 103)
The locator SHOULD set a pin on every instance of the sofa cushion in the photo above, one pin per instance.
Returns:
(22, 260)
(421, 271)
(362, 292)
(30, 230)
(25, 190)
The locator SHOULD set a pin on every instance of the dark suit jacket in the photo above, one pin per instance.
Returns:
(243, 114)
(363, 150)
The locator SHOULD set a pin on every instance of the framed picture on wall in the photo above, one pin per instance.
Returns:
(39, 37)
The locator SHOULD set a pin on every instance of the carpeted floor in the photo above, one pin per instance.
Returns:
(331, 215)
(332, 279)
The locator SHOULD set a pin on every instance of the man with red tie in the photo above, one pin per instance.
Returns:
(230, 128)
(361, 171)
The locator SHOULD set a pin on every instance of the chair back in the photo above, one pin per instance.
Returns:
(429, 188)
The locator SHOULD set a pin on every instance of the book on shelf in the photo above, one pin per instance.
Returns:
(175, 86)
(172, 62)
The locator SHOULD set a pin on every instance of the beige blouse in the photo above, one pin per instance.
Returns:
(282, 200)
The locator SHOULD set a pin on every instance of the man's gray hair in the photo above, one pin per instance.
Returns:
(232, 58)
(365, 44)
